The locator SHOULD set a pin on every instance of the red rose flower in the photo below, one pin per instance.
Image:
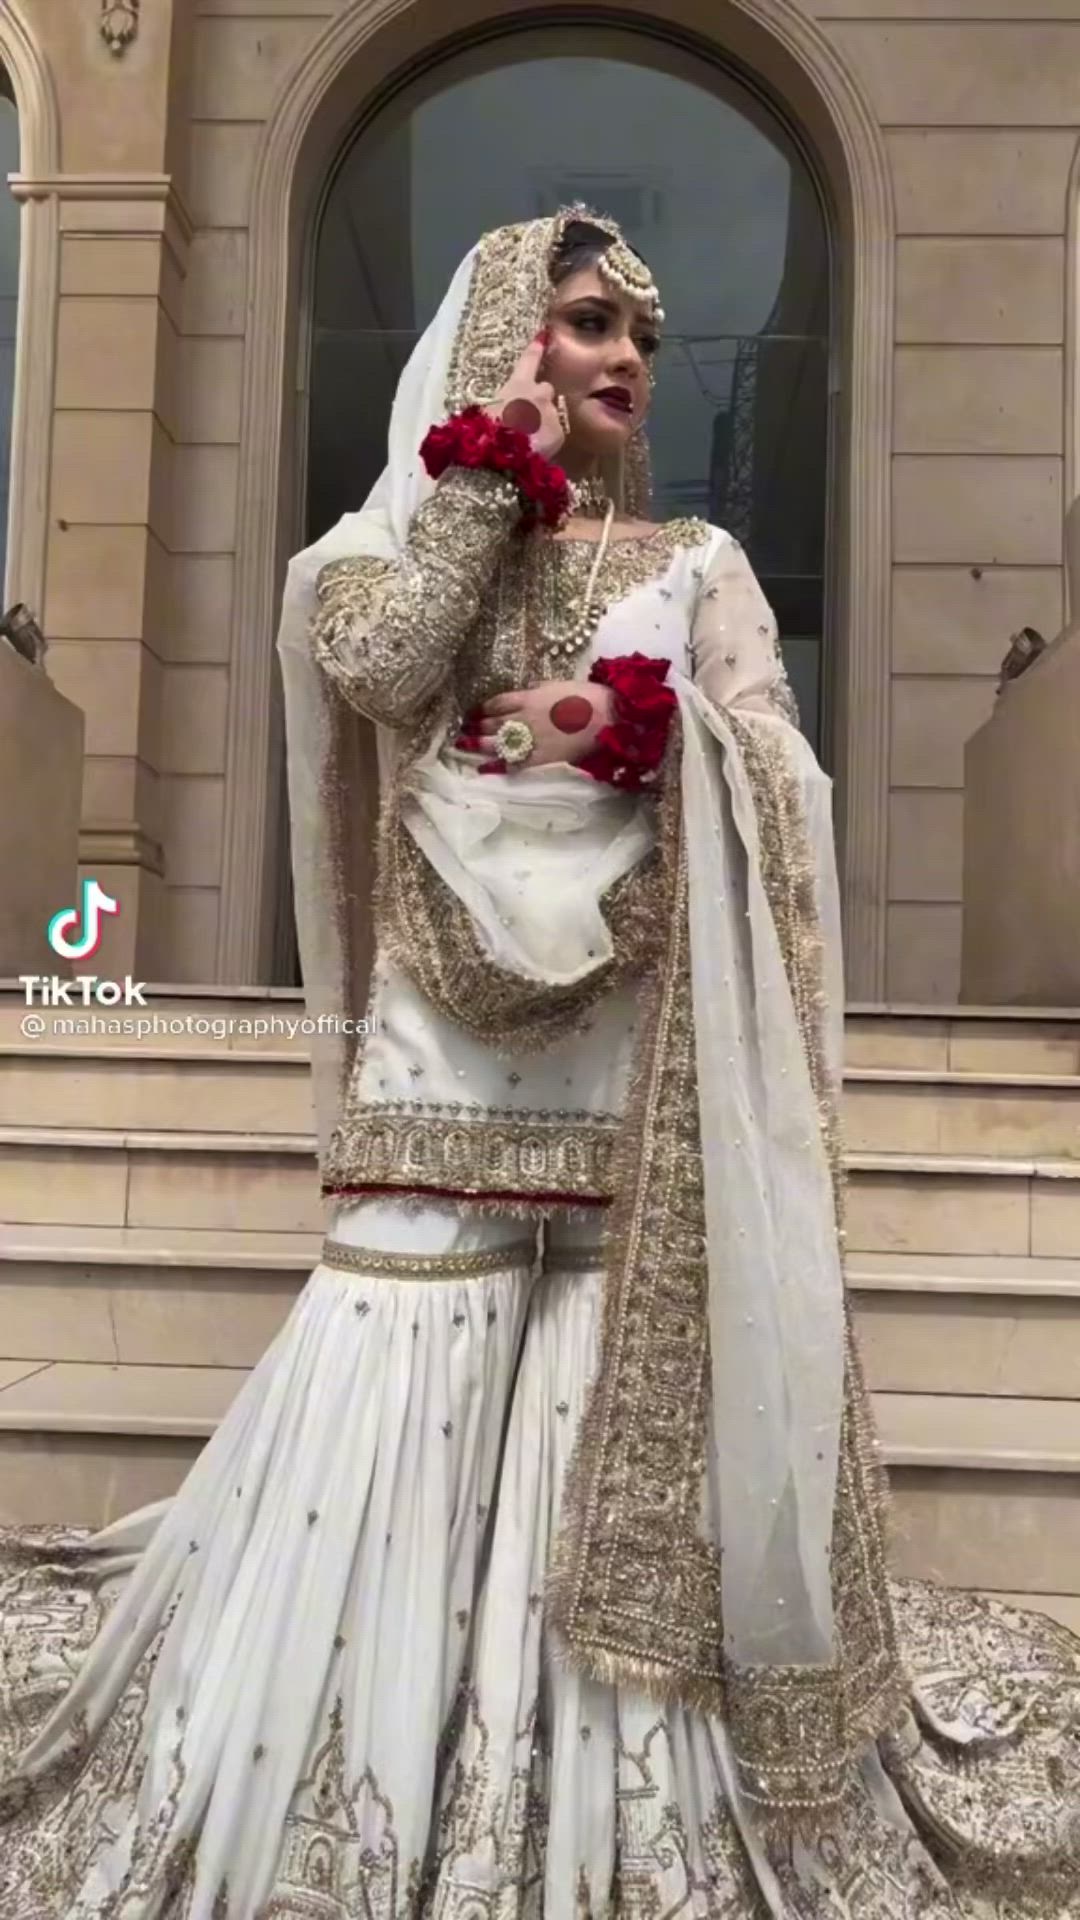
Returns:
(437, 451)
(629, 750)
(474, 439)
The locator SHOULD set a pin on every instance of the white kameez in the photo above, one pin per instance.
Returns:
(531, 855)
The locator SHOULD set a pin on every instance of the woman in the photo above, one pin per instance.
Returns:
(539, 1567)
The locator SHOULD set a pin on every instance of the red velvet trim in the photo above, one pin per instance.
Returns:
(553, 1199)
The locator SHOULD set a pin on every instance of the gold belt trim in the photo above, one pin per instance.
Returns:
(427, 1266)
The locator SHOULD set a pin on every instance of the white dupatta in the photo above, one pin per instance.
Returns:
(775, 1284)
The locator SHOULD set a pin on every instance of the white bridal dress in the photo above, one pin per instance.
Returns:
(317, 1683)
(322, 1681)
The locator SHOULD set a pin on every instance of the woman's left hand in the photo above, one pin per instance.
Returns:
(564, 717)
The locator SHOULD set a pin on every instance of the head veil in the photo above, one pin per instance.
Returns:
(497, 300)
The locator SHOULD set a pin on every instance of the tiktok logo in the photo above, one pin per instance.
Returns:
(75, 933)
(95, 903)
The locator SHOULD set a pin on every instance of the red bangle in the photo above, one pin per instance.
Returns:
(629, 752)
(473, 438)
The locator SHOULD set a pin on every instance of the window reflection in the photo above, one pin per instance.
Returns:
(707, 184)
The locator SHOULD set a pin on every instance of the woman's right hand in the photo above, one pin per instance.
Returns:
(529, 403)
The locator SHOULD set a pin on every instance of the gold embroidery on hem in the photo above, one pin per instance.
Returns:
(536, 1154)
(783, 1720)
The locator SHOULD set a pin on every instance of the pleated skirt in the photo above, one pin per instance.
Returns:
(318, 1682)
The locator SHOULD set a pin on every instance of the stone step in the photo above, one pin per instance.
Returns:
(982, 1326)
(986, 1492)
(183, 1248)
(198, 1088)
(994, 1204)
(1024, 1040)
(986, 1489)
(979, 1432)
(911, 1110)
(902, 1202)
(141, 1178)
(977, 1274)
(140, 1295)
(268, 1090)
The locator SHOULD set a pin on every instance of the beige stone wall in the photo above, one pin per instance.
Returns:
(977, 104)
(978, 112)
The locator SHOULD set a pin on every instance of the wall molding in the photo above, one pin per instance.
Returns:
(103, 844)
(806, 66)
(113, 195)
(36, 324)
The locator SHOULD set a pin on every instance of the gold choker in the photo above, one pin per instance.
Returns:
(589, 497)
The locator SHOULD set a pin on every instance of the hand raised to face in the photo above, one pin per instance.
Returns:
(530, 404)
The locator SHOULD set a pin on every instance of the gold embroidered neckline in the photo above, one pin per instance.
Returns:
(690, 524)
(552, 645)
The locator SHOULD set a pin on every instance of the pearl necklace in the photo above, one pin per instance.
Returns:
(560, 648)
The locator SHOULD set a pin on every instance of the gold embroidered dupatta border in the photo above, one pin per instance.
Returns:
(635, 1588)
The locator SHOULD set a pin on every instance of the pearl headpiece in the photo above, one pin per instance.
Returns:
(627, 271)
(620, 265)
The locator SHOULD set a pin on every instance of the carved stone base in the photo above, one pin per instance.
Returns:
(41, 770)
(1021, 927)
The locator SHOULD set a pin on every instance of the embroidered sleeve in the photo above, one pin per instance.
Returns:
(386, 632)
(734, 641)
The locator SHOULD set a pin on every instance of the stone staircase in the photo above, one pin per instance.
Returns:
(159, 1213)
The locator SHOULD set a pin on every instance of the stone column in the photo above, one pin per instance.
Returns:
(124, 237)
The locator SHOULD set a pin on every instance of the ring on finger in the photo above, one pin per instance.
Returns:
(514, 742)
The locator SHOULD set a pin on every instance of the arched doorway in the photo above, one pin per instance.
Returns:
(710, 185)
(368, 55)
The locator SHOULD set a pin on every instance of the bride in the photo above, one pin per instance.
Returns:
(540, 1566)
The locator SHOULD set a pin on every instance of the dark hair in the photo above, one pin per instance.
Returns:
(581, 245)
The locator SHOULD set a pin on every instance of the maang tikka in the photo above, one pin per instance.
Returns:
(619, 265)
(626, 270)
